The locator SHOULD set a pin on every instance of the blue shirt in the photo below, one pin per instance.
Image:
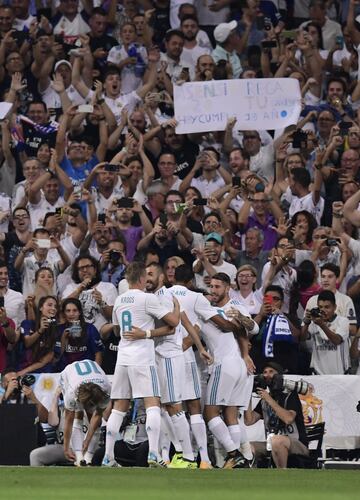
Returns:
(78, 174)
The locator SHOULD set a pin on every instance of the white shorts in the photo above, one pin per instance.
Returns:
(171, 373)
(192, 386)
(131, 382)
(227, 384)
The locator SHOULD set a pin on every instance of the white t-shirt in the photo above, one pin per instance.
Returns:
(168, 346)
(39, 210)
(135, 307)
(307, 203)
(53, 101)
(91, 308)
(129, 80)
(79, 373)
(252, 302)
(262, 163)
(344, 306)
(116, 105)
(207, 187)
(72, 28)
(5, 206)
(31, 265)
(328, 358)
(225, 267)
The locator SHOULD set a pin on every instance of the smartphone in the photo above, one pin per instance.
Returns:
(163, 220)
(200, 202)
(85, 108)
(59, 211)
(344, 128)
(268, 44)
(186, 70)
(340, 42)
(75, 52)
(267, 24)
(43, 243)
(268, 299)
(111, 167)
(299, 139)
(125, 203)
(332, 242)
(78, 190)
(46, 12)
(236, 181)
(2, 301)
(101, 218)
(290, 34)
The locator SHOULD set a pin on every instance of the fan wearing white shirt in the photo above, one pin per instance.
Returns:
(14, 302)
(303, 197)
(135, 373)
(192, 50)
(329, 334)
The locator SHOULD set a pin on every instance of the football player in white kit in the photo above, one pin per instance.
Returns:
(135, 373)
(86, 388)
(228, 387)
(170, 363)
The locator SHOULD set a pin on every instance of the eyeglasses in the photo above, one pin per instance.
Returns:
(86, 267)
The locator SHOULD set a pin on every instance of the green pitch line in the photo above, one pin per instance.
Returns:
(55, 483)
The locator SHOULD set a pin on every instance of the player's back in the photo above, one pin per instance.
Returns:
(136, 308)
(168, 345)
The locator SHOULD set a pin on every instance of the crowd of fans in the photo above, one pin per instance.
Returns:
(93, 175)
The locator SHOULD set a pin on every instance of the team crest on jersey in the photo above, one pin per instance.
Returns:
(312, 408)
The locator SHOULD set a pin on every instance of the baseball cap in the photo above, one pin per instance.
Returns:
(222, 31)
(62, 61)
(214, 237)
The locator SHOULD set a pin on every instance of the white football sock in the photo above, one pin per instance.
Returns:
(168, 426)
(198, 428)
(235, 434)
(112, 431)
(77, 438)
(218, 427)
(94, 443)
(153, 421)
(182, 432)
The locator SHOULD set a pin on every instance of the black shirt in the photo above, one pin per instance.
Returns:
(110, 353)
(289, 401)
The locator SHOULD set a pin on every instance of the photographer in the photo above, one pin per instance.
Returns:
(18, 391)
(329, 334)
(283, 420)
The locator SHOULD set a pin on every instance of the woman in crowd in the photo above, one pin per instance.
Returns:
(79, 340)
(44, 286)
(246, 291)
(169, 269)
(39, 346)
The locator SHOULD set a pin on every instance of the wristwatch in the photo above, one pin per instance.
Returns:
(148, 334)
(50, 172)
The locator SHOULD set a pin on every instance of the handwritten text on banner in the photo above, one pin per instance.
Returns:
(257, 103)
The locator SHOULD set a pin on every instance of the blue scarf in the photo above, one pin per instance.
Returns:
(276, 329)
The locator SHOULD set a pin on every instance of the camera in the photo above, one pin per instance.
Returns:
(279, 384)
(115, 255)
(52, 321)
(315, 312)
(27, 380)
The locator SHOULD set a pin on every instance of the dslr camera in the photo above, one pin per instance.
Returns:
(27, 380)
(315, 312)
(279, 384)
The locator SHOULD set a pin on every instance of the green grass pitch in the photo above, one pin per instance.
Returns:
(25, 483)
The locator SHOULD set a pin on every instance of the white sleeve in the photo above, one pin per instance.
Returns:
(154, 308)
(114, 56)
(204, 309)
(110, 294)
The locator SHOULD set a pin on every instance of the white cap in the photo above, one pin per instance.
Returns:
(63, 61)
(222, 31)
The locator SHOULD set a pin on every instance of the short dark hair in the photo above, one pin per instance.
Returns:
(40, 230)
(75, 272)
(184, 274)
(328, 296)
(225, 278)
(276, 289)
(176, 193)
(301, 176)
(170, 33)
(3, 264)
(190, 17)
(212, 214)
(20, 208)
(329, 266)
(338, 80)
(112, 70)
(48, 215)
(37, 102)
(98, 11)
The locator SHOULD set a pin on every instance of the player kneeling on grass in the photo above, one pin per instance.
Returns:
(85, 389)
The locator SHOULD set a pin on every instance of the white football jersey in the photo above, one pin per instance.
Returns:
(79, 373)
(187, 299)
(168, 346)
(137, 308)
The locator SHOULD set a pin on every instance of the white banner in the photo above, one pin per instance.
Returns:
(333, 401)
(257, 104)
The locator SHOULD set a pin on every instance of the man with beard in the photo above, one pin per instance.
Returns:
(192, 50)
(229, 387)
(184, 150)
(132, 234)
(205, 67)
(210, 262)
(176, 69)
